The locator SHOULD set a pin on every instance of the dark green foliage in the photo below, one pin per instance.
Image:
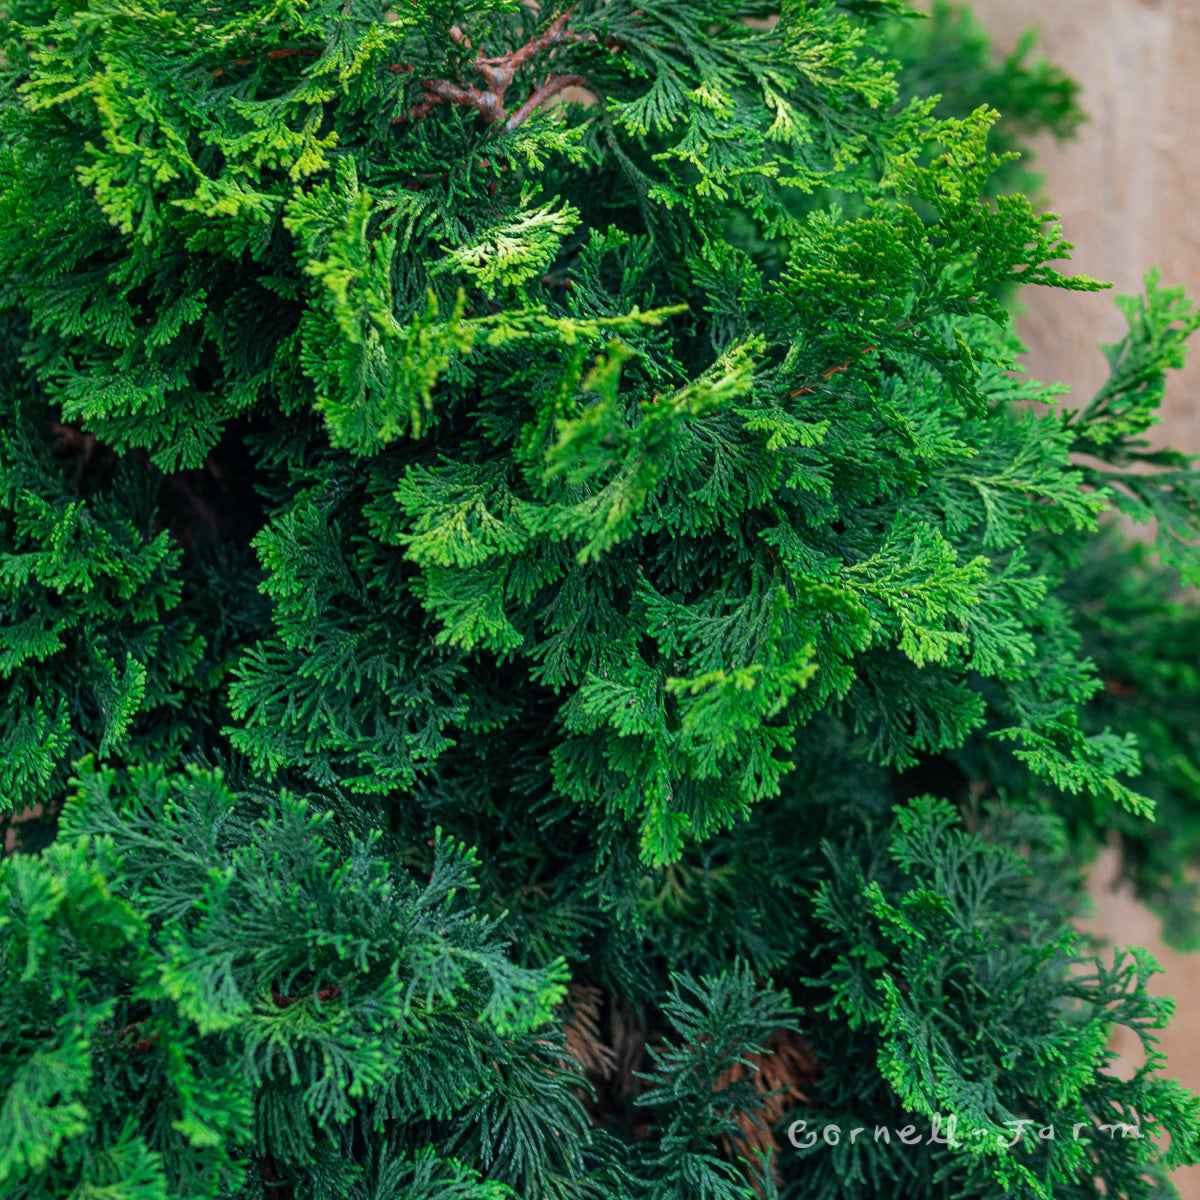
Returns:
(230, 972)
(951, 926)
(1143, 633)
(453, 546)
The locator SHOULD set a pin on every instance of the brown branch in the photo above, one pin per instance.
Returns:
(499, 72)
(330, 992)
(508, 64)
(807, 391)
(551, 87)
(284, 52)
(143, 1045)
(437, 90)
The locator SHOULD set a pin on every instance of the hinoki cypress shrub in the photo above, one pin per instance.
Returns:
(546, 637)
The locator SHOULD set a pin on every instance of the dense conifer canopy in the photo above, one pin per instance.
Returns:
(547, 633)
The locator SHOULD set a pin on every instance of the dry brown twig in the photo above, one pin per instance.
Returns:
(779, 1074)
(585, 1043)
(611, 1051)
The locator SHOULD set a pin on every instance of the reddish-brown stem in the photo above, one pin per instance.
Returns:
(329, 992)
(507, 65)
(489, 103)
(807, 391)
(142, 1045)
(284, 52)
(552, 86)
(498, 73)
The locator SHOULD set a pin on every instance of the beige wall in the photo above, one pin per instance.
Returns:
(1128, 192)
(1128, 187)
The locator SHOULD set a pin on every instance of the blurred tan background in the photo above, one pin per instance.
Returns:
(1128, 186)
(1128, 192)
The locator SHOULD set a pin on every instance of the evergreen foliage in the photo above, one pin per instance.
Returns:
(550, 653)
(951, 54)
(1142, 632)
